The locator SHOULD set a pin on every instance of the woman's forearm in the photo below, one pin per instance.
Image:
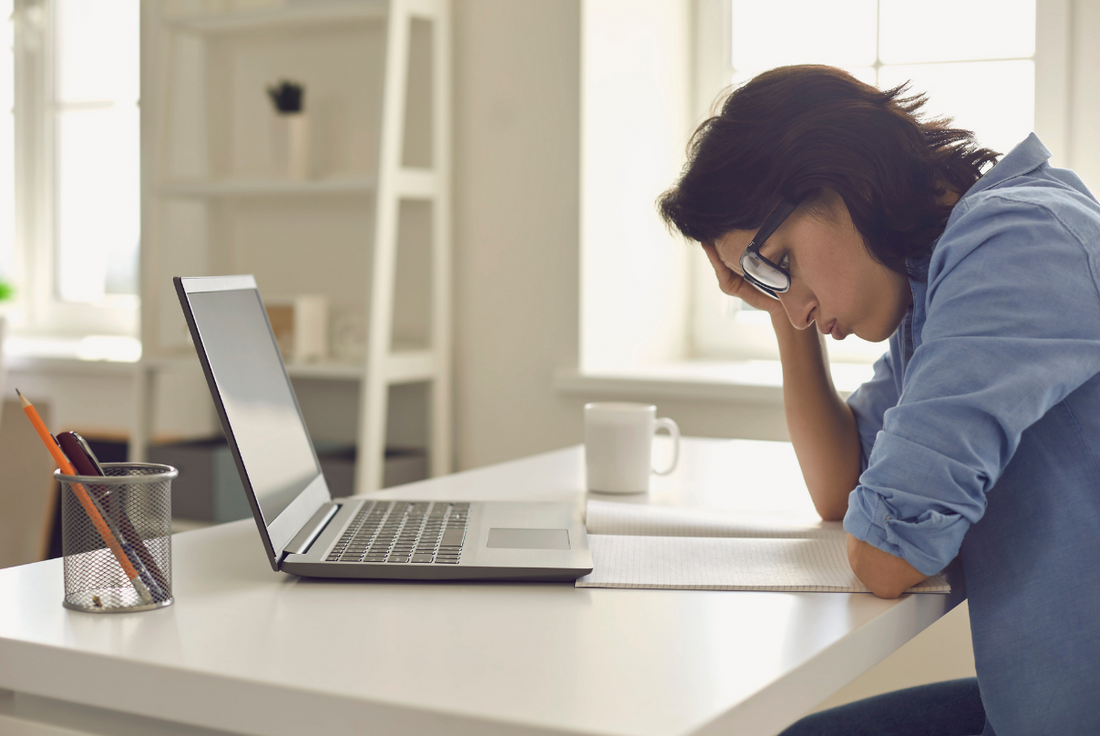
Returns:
(821, 426)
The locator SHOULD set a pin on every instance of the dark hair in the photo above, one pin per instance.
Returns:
(795, 130)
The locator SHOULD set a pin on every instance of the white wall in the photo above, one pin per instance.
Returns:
(516, 219)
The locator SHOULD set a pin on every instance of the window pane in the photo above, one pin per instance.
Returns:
(956, 30)
(771, 34)
(97, 215)
(97, 50)
(966, 93)
(98, 202)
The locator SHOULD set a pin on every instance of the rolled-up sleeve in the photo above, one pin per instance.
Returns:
(1012, 328)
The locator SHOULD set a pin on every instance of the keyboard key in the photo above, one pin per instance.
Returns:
(421, 558)
(452, 537)
(391, 558)
(446, 560)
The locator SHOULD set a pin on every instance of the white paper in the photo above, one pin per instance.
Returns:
(697, 549)
(608, 517)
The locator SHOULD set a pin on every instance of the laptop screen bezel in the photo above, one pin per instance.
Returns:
(278, 532)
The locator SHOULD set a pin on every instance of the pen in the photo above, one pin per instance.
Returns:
(90, 506)
(80, 454)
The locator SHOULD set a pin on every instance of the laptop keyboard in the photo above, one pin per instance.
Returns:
(404, 532)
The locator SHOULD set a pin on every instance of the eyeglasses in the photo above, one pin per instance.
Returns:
(768, 277)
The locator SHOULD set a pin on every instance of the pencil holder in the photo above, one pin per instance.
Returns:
(116, 536)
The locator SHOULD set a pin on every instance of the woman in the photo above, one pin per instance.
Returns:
(826, 202)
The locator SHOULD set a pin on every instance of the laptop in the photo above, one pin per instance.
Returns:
(307, 532)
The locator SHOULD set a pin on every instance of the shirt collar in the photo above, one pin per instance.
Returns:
(1027, 156)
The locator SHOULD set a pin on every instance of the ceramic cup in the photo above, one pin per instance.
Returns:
(618, 446)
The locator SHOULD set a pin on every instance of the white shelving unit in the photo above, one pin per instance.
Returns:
(369, 228)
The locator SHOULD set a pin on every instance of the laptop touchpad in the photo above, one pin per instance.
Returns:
(528, 538)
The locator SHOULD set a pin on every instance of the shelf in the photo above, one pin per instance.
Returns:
(290, 16)
(380, 71)
(403, 366)
(327, 370)
(29, 350)
(269, 187)
(410, 366)
(416, 183)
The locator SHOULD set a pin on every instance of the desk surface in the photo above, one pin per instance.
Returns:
(250, 650)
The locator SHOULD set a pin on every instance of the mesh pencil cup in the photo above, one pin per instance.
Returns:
(116, 536)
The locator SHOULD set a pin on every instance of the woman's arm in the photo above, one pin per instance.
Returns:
(887, 576)
(821, 426)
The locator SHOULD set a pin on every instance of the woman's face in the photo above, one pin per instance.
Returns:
(834, 280)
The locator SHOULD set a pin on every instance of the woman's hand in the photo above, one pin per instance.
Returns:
(732, 283)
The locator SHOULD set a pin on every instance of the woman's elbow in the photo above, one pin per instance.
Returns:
(832, 510)
(887, 576)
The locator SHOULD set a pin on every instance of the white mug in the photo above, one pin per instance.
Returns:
(618, 446)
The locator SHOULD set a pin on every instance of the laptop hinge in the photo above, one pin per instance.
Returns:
(313, 527)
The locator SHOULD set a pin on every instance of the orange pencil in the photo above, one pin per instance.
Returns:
(85, 500)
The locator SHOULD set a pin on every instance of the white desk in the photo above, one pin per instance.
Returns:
(248, 650)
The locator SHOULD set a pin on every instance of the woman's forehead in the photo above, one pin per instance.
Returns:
(735, 241)
(731, 245)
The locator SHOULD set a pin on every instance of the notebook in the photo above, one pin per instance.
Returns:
(307, 532)
(641, 546)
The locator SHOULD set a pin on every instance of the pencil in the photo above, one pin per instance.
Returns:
(90, 506)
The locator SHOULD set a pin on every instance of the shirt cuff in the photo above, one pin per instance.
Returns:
(866, 520)
(928, 543)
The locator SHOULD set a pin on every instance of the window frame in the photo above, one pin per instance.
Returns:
(40, 308)
(712, 334)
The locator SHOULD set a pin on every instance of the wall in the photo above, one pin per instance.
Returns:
(516, 219)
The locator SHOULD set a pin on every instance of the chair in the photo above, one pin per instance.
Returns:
(26, 488)
(26, 482)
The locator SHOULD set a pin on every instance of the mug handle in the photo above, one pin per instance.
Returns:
(674, 433)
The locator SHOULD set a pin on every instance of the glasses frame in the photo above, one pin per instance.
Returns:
(778, 216)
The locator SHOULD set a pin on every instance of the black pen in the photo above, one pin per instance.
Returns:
(80, 454)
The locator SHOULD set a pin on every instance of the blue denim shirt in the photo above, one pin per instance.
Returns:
(981, 438)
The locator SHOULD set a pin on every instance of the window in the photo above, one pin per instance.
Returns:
(7, 141)
(72, 147)
(947, 48)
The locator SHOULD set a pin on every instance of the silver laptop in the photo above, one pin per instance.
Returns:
(307, 532)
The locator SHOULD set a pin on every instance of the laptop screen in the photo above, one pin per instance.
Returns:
(256, 395)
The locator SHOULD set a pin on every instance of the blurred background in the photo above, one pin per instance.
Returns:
(138, 141)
